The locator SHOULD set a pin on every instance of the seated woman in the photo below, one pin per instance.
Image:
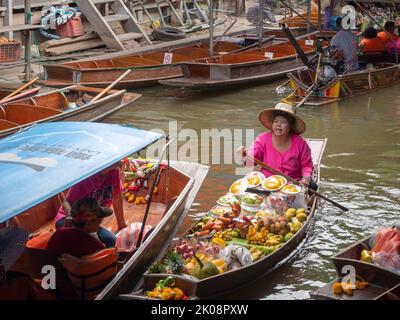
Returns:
(389, 28)
(371, 43)
(283, 148)
(82, 239)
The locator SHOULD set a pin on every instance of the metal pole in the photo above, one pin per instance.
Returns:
(260, 22)
(28, 40)
(211, 22)
(319, 14)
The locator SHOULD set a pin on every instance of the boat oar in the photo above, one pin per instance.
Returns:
(26, 85)
(265, 166)
(102, 93)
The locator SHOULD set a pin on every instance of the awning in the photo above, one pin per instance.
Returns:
(46, 159)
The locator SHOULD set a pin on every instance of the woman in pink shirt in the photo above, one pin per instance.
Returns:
(283, 148)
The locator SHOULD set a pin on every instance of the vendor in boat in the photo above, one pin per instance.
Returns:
(16, 285)
(282, 147)
(81, 239)
(106, 188)
(371, 43)
(346, 42)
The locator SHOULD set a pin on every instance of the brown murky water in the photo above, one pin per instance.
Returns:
(360, 168)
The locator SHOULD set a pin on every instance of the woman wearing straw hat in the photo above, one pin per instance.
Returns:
(283, 148)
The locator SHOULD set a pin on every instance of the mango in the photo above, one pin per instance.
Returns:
(300, 210)
(288, 236)
(301, 216)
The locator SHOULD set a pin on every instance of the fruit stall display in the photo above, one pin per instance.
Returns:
(242, 228)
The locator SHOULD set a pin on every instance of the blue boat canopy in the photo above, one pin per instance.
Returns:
(47, 159)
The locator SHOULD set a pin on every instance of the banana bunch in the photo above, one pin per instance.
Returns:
(274, 240)
(256, 236)
(225, 235)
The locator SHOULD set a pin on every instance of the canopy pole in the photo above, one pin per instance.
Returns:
(380, 26)
(319, 14)
(308, 15)
(146, 213)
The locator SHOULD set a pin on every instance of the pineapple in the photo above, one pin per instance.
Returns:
(157, 267)
(174, 262)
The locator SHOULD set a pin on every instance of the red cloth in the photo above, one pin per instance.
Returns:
(74, 241)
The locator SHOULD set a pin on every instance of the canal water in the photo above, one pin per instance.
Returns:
(360, 168)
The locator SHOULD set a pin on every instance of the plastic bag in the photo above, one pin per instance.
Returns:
(235, 256)
(388, 261)
(277, 202)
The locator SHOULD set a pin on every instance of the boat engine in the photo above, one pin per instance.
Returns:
(331, 64)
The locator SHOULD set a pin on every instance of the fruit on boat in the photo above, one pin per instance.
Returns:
(290, 213)
(288, 236)
(157, 267)
(301, 216)
(256, 254)
(204, 270)
(366, 256)
(174, 262)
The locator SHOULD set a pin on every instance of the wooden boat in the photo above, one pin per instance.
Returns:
(258, 65)
(166, 211)
(233, 280)
(346, 85)
(68, 104)
(147, 68)
(383, 284)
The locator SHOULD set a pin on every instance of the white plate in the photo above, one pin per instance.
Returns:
(250, 208)
(260, 175)
(292, 193)
(244, 185)
(228, 196)
(283, 179)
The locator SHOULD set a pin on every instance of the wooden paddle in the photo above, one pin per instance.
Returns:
(26, 85)
(265, 166)
(102, 93)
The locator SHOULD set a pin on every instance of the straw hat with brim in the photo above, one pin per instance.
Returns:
(12, 244)
(265, 117)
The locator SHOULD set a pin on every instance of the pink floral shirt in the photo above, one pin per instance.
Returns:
(98, 187)
(296, 162)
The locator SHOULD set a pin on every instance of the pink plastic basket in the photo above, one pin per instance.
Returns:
(73, 28)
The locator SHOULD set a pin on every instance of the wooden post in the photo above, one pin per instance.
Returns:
(28, 40)
(211, 22)
(308, 15)
(8, 17)
(260, 21)
(319, 14)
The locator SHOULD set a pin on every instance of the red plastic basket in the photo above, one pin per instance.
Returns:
(10, 51)
(73, 28)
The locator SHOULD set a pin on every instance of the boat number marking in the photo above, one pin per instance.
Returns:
(269, 55)
(309, 42)
(168, 57)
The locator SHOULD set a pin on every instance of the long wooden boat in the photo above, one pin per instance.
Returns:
(233, 280)
(346, 85)
(383, 284)
(68, 104)
(166, 212)
(4, 92)
(252, 66)
(147, 68)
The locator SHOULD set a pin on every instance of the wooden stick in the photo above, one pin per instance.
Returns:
(264, 165)
(19, 90)
(102, 93)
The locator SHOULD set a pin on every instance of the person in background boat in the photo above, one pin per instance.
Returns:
(332, 11)
(253, 12)
(283, 148)
(106, 188)
(389, 27)
(371, 43)
(347, 43)
(82, 239)
(16, 285)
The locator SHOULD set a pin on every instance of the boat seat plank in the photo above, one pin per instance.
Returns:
(134, 62)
